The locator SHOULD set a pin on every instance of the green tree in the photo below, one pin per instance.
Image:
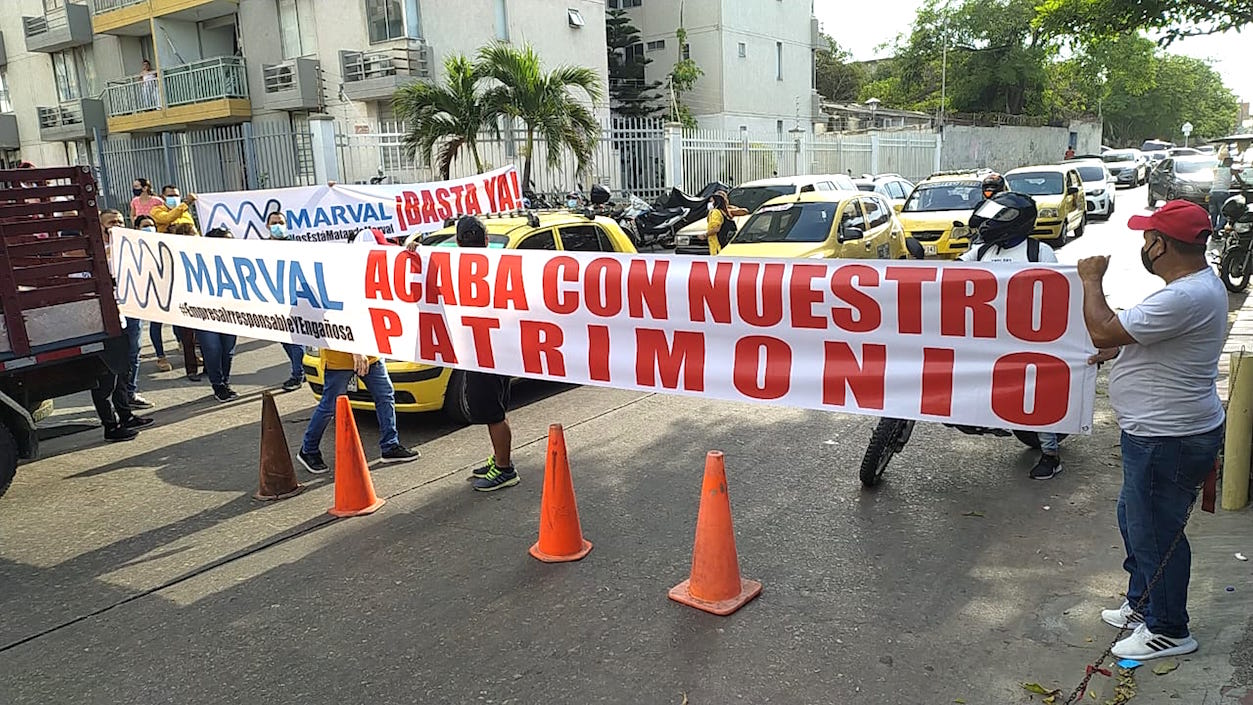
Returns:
(544, 101)
(443, 118)
(1176, 18)
(630, 95)
(683, 78)
(836, 77)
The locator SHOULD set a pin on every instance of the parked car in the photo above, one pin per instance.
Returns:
(422, 387)
(691, 240)
(1156, 145)
(1207, 149)
(1129, 166)
(1058, 193)
(892, 186)
(935, 204)
(1155, 157)
(822, 225)
(1183, 152)
(1187, 177)
(1098, 187)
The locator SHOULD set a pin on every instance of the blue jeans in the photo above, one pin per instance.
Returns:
(1049, 443)
(217, 350)
(1216, 201)
(154, 336)
(336, 385)
(296, 353)
(134, 327)
(1160, 480)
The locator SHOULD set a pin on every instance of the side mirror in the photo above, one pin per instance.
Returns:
(1072, 190)
(850, 234)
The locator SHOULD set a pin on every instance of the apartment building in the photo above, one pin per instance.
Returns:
(757, 57)
(74, 69)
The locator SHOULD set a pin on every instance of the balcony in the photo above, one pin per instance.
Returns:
(8, 132)
(293, 85)
(207, 91)
(68, 25)
(194, 10)
(72, 120)
(125, 17)
(375, 75)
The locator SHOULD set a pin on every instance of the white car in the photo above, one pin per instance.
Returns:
(691, 240)
(1099, 187)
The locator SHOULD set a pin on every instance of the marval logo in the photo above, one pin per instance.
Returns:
(246, 222)
(143, 273)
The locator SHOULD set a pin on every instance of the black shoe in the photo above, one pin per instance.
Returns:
(138, 402)
(1047, 468)
(293, 384)
(194, 377)
(115, 434)
(225, 394)
(138, 422)
(497, 478)
(399, 454)
(313, 462)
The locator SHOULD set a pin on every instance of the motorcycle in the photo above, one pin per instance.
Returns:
(1236, 261)
(672, 213)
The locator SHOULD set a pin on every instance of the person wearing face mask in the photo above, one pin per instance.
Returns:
(276, 222)
(114, 396)
(155, 328)
(144, 201)
(1162, 388)
(173, 209)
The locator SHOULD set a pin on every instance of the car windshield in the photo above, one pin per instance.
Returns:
(495, 242)
(1037, 184)
(1091, 174)
(1192, 166)
(1111, 157)
(944, 196)
(750, 198)
(863, 186)
(789, 222)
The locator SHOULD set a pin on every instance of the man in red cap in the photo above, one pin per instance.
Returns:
(1163, 391)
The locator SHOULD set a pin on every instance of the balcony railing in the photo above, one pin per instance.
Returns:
(60, 27)
(366, 65)
(133, 94)
(99, 7)
(63, 115)
(295, 84)
(202, 81)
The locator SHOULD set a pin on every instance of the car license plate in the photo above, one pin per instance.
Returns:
(929, 249)
(352, 384)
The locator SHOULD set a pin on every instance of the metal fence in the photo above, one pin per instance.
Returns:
(225, 158)
(629, 156)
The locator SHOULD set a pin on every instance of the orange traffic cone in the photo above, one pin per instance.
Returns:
(715, 584)
(560, 536)
(354, 491)
(278, 477)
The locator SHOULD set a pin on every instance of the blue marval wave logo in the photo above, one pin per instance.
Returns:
(145, 273)
(246, 222)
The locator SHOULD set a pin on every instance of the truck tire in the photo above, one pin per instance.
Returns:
(8, 459)
(456, 406)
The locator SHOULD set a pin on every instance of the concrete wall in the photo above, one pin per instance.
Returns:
(1007, 147)
(177, 42)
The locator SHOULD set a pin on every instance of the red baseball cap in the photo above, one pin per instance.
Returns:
(1180, 220)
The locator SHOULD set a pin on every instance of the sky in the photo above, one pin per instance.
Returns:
(860, 27)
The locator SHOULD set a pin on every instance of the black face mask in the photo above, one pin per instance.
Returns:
(1149, 261)
(137, 191)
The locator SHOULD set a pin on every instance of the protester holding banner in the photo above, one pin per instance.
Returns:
(1162, 388)
(173, 209)
(276, 224)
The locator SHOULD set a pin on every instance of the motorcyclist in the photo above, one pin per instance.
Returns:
(993, 184)
(1003, 225)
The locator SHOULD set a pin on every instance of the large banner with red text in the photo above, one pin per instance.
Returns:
(999, 345)
(336, 213)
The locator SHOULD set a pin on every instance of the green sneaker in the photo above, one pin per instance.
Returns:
(497, 478)
(486, 469)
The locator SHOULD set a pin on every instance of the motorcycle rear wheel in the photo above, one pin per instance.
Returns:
(887, 440)
(1232, 262)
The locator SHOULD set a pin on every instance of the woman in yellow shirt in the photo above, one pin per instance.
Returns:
(720, 225)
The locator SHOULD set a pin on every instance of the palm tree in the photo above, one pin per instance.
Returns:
(545, 102)
(442, 118)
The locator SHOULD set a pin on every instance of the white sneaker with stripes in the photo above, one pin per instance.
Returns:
(1123, 617)
(1143, 645)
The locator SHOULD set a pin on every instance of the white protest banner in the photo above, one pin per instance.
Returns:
(336, 213)
(999, 345)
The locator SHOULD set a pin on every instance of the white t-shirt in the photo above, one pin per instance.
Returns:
(1017, 253)
(1165, 384)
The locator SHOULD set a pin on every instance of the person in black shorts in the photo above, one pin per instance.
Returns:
(487, 395)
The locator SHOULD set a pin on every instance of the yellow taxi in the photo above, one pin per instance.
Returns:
(421, 387)
(820, 225)
(1058, 194)
(935, 204)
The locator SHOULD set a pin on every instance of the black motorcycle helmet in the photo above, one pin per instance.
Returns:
(993, 184)
(1235, 207)
(1005, 219)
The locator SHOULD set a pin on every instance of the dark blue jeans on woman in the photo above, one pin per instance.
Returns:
(1160, 480)
(217, 349)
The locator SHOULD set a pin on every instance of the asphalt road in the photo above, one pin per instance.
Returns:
(144, 573)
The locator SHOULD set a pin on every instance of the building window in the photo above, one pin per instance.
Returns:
(686, 51)
(575, 18)
(743, 50)
(778, 61)
(657, 45)
(295, 27)
(502, 21)
(74, 74)
(6, 103)
(392, 19)
(623, 4)
(633, 53)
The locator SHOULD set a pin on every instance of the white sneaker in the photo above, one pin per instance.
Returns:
(1124, 617)
(1143, 645)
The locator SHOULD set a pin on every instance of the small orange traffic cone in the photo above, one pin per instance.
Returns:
(560, 536)
(715, 584)
(278, 477)
(354, 491)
